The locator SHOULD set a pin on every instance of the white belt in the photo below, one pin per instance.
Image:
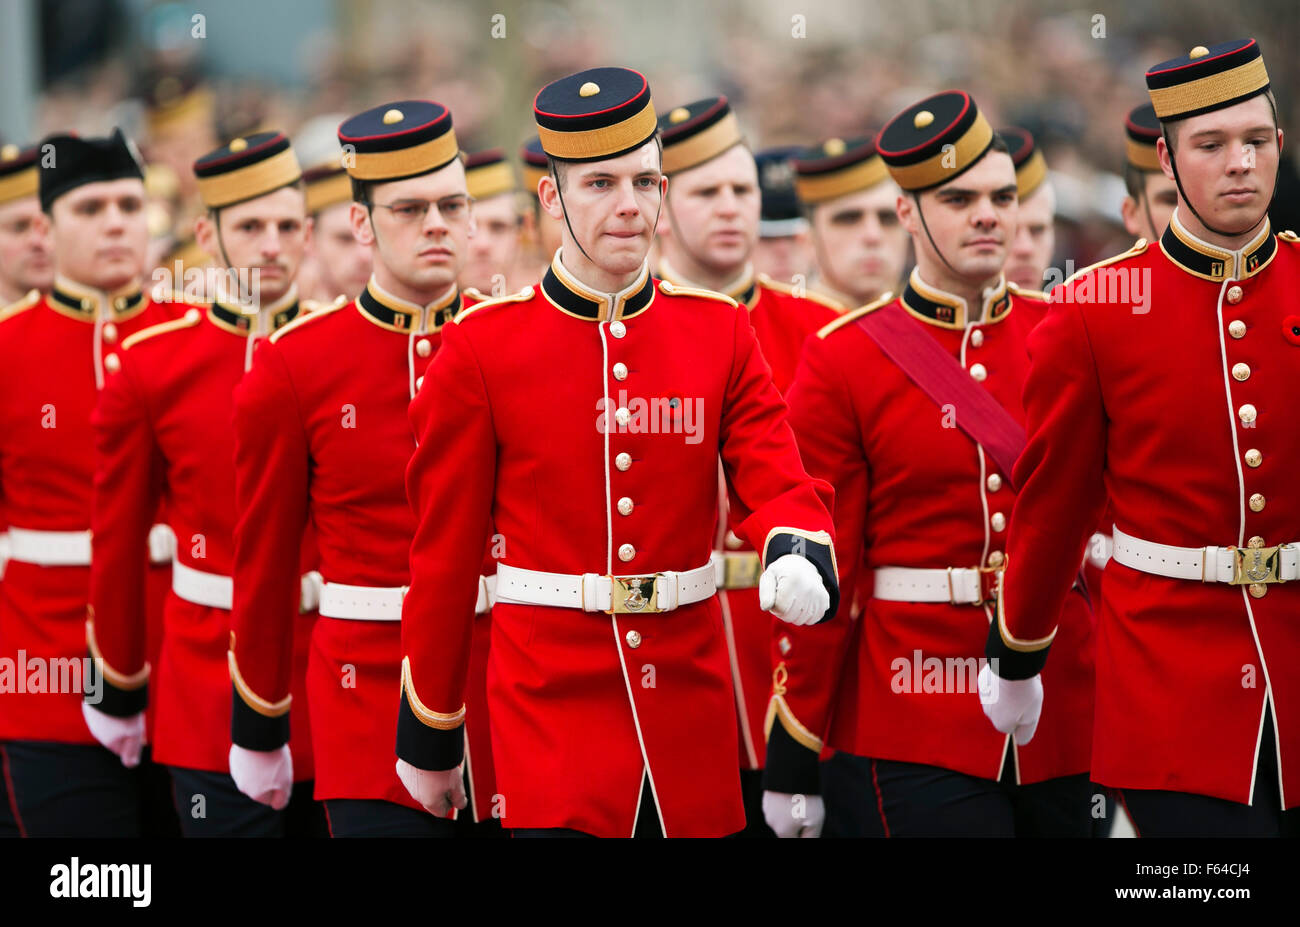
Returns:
(954, 585)
(384, 603)
(72, 548)
(736, 569)
(1237, 566)
(217, 591)
(595, 592)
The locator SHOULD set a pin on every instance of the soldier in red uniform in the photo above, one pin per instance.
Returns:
(336, 263)
(55, 353)
(541, 230)
(911, 408)
(1030, 253)
(1159, 380)
(712, 207)
(611, 697)
(495, 244)
(783, 250)
(163, 430)
(321, 436)
(1151, 195)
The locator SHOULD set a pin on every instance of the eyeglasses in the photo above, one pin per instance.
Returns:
(453, 209)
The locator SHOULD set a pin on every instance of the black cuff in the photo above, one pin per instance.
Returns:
(253, 730)
(113, 700)
(427, 747)
(1012, 664)
(819, 554)
(791, 767)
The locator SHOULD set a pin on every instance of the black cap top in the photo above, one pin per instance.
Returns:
(595, 114)
(246, 168)
(915, 143)
(1206, 79)
(698, 132)
(75, 161)
(398, 140)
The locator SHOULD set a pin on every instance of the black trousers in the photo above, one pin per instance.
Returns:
(751, 790)
(8, 823)
(1159, 813)
(71, 790)
(210, 805)
(647, 821)
(867, 797)
(366, 817)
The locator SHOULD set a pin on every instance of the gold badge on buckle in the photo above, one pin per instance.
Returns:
(1255, 565)
(634, 595)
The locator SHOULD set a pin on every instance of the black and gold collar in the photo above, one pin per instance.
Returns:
(229, 317)
(572, 297)
(744, 289)
(87, 303)
(399, 315)
(941, 308)
(1204, 260)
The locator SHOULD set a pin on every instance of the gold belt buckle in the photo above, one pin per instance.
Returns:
(740, 571)
(634, 595)
(1252, 565)
(989, 586)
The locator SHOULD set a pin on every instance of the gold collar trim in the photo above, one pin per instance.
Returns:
(86, 303)
(1209, 262)
(400, 315)
(573, 297)
(939, 307)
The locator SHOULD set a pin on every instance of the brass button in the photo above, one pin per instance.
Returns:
(622, 416)
(625, 506)
(784, 645)
(1237, 328)
(997, 558)
(87, 304)
(979, 373)
(1257, 502)
(1255, 543)
(1241, 371)
(617, 329)
(620, 371)
(994, 482)
(120, 303)
(976, 338)
(1254, 458)
(110, 333)
(1258, 590)
(423, 348)
(626, 552)
(633, 639)
(112, 364)
(192, 315)
(1247, 413)
(732, 541)
(998, 521)
(623, 461)
(1234, 294)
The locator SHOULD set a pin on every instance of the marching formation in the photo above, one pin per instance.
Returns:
(682, 490)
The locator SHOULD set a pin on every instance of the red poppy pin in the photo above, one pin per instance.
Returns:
(1291, 329)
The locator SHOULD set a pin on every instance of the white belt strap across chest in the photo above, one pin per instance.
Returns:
(72, 548)
(595, 592)
(1236, 566)
(954, 585)
(384, 603)
(217, 591)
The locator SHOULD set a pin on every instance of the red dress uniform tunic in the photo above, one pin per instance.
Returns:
(782, 322)
(914, 491)
(586, 706)
(322, 436)
(164, 431)
(1175, 399)
(55, 354)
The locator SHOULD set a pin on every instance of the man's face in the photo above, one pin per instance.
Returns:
(715, 211)
(1148, 217)
(419, 227)
(342, 263)
(25, 259)
(493, 245)
(1227, 161)
(100, 233)
(266, 236)
(784, 257)
(972, 220)
(861, 248)
(1035, 240)
(612, 207)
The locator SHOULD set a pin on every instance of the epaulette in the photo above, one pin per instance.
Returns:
(31, 299)
(852, 314)
(475, 294)
(523, 295)
(188, 320)
(669, 289)
(1139, 247)
(309, 306)
(1026, 292)
(804, 293)
(1289, 235)
(307, 318)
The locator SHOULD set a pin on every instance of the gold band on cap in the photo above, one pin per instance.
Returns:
(328, 191)
(197, 104)
(244, 183)
(20, 184)
(1031, 174)
(702, 146)
(1141, 156)
(1211, 90)
(489, 180)
(386, 165)
(600, 143)
(532, 177)
(942, 166)
(860, 176)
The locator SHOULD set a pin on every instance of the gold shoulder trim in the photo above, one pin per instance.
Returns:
(31, 299)
(307, 318)
(188, 320)
(473, 292)
(670, 289)
(1139, 247)
(853, 314)
(522, 296)
(1289, 235)
(1028, 293)
(765, 281)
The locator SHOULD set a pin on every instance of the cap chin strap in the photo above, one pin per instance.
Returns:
(916, 198)
(559, 192)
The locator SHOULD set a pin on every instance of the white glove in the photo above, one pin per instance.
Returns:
(123, 736)
(438, 790)
(1013, 705)
(265, 776)
(792, 589)
(794, 815)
